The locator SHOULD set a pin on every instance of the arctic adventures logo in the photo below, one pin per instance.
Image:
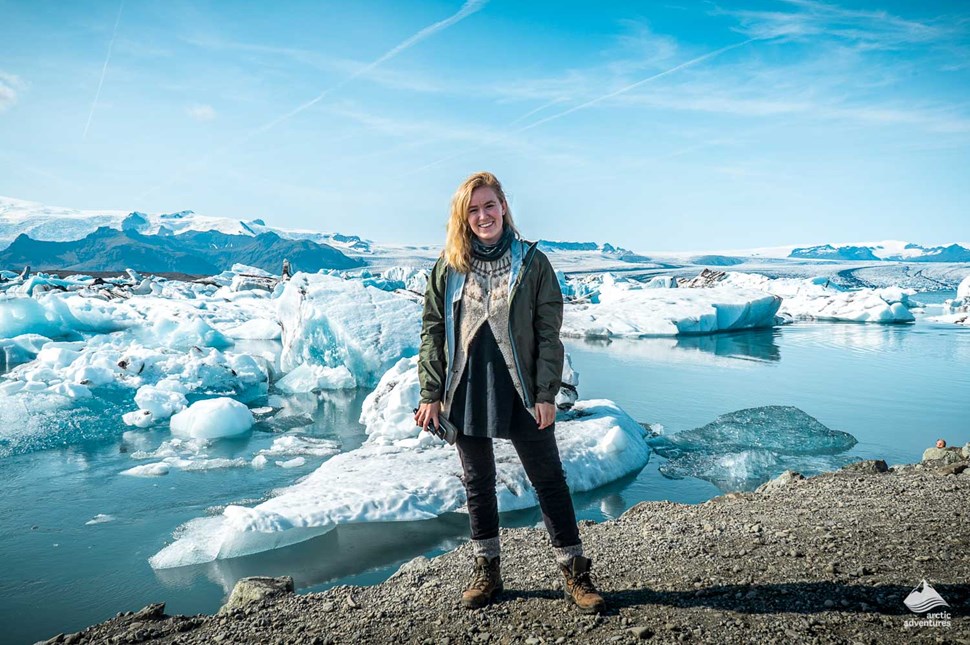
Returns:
(922, 599)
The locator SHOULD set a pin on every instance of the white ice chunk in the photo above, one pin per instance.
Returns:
(290, 445)
(819, 299)
(23, 315)
(957, 310)
(187, 333)
(963, 289)
(632, 313)
(661, 282)
(213, 419)
(296, 462)
(100, 518)
(20, 349)
(313, 378)
(256, 329)
(160, 401)
(139, 418)
(148, 470)
(331, 322)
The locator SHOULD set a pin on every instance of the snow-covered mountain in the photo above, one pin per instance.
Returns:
(57, 224)
(607, 250)
(891, 250)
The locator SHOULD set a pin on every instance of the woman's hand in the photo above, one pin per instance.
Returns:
(545, 414)
(427, 412)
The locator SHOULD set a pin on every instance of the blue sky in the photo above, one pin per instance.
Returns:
(654, 126)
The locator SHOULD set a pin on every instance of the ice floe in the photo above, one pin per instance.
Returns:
(401, 473)
(821, 299)
(329, 322)
(625, 311)
(212, 419)
(743, 449)
(100, 518)
(957, 310)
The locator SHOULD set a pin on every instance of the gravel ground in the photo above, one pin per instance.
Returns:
(827, 559)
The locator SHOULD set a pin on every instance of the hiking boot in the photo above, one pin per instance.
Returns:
(579, 588)
(486, 585)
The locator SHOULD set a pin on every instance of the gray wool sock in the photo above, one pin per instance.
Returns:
(490, 548)
(566, 553)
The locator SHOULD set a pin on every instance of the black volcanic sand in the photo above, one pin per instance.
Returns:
(827, 559)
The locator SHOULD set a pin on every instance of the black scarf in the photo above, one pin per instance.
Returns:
(483, 251)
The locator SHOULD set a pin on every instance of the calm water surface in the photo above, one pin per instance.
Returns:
(895, 388)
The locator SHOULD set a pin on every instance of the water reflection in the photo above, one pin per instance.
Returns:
(854, 336)
(725, 349)
(753, 344)
(344, 551)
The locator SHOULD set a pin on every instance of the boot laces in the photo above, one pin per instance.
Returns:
(582, 582)
(483, 577)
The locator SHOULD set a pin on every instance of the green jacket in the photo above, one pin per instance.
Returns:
(535, 318)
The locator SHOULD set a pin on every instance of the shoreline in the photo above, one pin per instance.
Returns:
(828, 559)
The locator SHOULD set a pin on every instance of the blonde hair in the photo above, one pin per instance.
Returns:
(458, 239)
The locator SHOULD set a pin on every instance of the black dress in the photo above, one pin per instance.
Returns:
(486, 403)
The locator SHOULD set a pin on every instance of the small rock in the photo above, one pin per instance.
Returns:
(945, 455)
(251, 590)
(868, 466)
(155, 611)
(419, 564)
(952, 469)
(781, 481)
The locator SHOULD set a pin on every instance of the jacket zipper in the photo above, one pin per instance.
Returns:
(515, 356)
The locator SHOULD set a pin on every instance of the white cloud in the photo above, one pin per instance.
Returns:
(201, 112)
(865, 29)
(10, 88)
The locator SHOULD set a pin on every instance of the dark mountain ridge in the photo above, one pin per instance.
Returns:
(195, 252)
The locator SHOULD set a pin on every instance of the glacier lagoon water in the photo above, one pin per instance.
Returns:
(896, 389)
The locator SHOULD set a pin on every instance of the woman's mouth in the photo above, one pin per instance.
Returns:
(486, 225)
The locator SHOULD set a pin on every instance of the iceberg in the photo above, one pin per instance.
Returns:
(820, 299)
(957, 310)
(157, 469)
(300, 445)
(743, 449)
(329, 322)
(20, 349)
(188, 454)
(36, 417)
(101, 372)
(401, 473)
(637, 312)
(212, 419)
(407, 278)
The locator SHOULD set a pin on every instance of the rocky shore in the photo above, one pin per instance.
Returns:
(827, 559)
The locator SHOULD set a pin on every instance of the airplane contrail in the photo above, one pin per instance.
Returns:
(583, 106)
(468, 8)
(104, 70)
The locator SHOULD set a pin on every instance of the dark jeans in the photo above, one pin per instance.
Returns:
(540, 458)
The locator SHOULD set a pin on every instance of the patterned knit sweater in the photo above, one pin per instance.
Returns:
(484, 300)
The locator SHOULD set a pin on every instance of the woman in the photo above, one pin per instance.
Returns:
(491, 362)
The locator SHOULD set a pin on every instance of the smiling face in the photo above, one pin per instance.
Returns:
(486, 213)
